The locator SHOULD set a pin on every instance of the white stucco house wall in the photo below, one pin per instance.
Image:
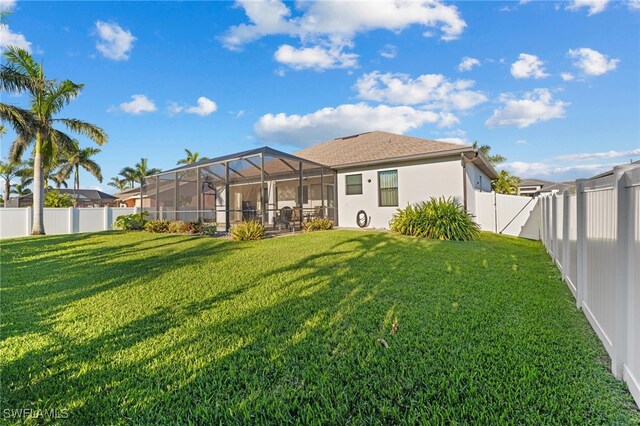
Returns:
(377, 172)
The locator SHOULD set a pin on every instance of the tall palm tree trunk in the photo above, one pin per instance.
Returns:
(38, 190)
(7, 191)
(76, 180)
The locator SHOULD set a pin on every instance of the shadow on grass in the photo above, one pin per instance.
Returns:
(295, 338)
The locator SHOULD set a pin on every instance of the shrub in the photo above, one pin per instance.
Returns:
(209, 228)
(176, 227)
(439, 218)
(181, 227)
(56, 199)
(318, 224)
(131, 222)
(245, 231)
(193, 227)
(158, 226)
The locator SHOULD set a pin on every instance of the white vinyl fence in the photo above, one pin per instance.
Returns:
(17, 222)
(594, 238)
(508, 214)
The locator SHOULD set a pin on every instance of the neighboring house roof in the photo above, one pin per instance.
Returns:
(83, 195)
(560, 186)
(382, 147)
(128, 193)
(534, 182)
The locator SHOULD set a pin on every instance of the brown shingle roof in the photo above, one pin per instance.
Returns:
(371, 146)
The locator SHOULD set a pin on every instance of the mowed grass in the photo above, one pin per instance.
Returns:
(140, 328)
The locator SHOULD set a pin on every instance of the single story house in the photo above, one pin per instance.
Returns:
(556, 187)
(357, 180)
(130, 198)
(529, 187)
(377, 172)
(83, 197)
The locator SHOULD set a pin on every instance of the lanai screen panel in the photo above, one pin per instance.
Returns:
(187, 194)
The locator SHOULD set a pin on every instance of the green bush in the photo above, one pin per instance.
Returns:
(56, 199)
(176, 227)
(193, 227)
(131, 222)
(181, 227)
(209, 228)
(245, 231)
(439, 218)
(158, 226)
(318, 224)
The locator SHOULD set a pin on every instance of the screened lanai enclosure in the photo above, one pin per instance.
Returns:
(275, 188)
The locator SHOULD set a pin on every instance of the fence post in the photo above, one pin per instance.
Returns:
(29, 221)
(106, 222)
(565, 235)
(581, 240)
(554, 227)
(71, 220)
(541, 227)
(621, 197)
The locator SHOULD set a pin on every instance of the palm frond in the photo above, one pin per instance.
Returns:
(93, 132)
(22, 120)
(59, 96)
(22, 62)
(93, 168)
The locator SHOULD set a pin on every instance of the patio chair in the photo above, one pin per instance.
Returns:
(284, 217)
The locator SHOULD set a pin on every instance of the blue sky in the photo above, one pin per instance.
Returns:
(553, 86)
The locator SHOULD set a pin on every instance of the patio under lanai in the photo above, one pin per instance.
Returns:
(227, 190)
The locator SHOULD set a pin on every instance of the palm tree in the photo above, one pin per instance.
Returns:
(48, 175)
(21, 189)
(506, 183)
(495, 159)
(119, 184)
(192, 157)
(35, 127)
(79, 157)
(8, 171)
(137, 174)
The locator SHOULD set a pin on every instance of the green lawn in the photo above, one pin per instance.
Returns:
(141, 328)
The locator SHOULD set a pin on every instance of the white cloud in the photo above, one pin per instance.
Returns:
(594, 155)
(571, 165)
(537, 169)
(316, 57)
(634, 4)
(327, 123)
(9, 38)
(115, 43)
(205, 107)
(467, 64)
(390, 51)
(341, 20)
(566, 76)
(459, 141)
(432, 91)
(536, 106)
(326, 28)
(522, 142)
(528, 66)
(592, 62)
(138, 105)
(175, 108)
(594, 6)
(6, 5)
